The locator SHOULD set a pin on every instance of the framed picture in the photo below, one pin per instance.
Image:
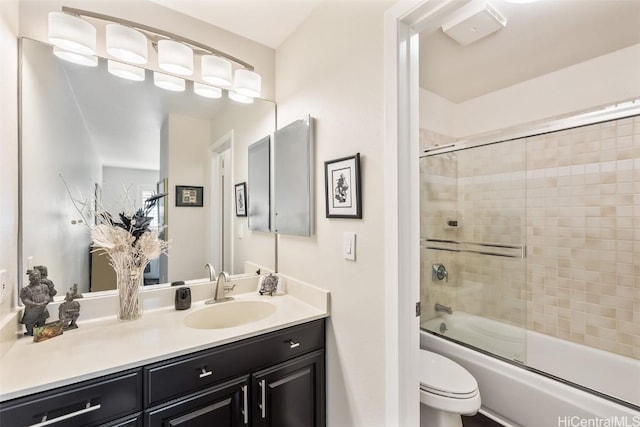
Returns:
(241, 199)
(342, 187)
(188, 196)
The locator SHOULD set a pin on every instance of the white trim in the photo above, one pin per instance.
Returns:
(402, 22)
(216, 148)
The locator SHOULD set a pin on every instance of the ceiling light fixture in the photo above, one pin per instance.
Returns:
(74, 40)
(126, 44)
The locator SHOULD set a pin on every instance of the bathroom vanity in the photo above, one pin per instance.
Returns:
(156, 371)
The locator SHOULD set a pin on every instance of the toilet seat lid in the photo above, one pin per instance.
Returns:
(445, 377)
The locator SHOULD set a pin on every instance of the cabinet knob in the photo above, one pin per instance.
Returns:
(293, 344)
(204, 372)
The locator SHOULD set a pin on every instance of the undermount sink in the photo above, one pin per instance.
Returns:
(229, 314)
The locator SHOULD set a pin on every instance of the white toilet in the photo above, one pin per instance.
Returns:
(447, 390)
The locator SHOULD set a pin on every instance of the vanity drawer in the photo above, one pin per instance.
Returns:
(171, 379)
(91, 403)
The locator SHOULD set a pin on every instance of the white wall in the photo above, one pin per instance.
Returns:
(116, 180)
(331, 67)
(9, 150)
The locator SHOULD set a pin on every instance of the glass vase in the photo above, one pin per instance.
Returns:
(129, 280)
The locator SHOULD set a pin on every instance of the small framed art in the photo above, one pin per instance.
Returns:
(188, 196)
(342, 187)
(241, 199)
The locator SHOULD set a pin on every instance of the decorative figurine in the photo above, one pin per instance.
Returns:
(69, 312)
(74, 291)
(268, 285)
(35, 297)
(44, 279)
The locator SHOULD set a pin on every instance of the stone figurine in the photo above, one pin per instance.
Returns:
(69, 312)
(35, 297)
(44, 279)
(74, 291)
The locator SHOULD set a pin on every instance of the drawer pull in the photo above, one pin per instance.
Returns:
(245, 403)
(205, 373)
(263, 399)
(293, 344)
(87, 409)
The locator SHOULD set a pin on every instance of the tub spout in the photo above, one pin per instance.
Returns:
(443, 308)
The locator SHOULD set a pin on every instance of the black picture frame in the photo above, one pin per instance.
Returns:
(343, 190)
(188, 195)
(241, 199)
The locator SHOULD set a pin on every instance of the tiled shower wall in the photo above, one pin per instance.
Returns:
(573, 197)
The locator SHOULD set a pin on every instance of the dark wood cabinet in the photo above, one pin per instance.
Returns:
(222, 405)
(276, 379)
(290, 394)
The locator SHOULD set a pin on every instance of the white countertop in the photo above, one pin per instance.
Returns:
(106, 345)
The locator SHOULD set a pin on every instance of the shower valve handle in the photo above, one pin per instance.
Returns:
(439, 272)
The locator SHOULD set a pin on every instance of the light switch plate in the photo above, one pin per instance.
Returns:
(349, 245)
(3, 286)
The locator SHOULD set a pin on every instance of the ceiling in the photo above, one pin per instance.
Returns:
(268, 22)
(540, 37)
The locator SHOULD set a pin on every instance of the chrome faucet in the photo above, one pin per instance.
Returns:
(218, 294)
(443, 308)
(212, 271)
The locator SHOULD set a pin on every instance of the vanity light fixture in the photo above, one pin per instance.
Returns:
(247, 83)
(168, 82)
(126, 43)
(125, 71)
(216, 70)
(207, 91)
(72, 33)
(74, 39)
(175, 57)
(76, 58)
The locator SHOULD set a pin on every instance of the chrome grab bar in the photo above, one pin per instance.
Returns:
(518, 251)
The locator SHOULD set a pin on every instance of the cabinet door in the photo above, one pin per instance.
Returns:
(220, 406)
(291, 394)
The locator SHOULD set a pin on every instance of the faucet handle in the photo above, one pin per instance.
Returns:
(439, 272)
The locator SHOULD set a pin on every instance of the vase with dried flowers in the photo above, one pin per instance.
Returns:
(130, 244)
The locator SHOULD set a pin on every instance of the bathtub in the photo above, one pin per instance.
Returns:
(516, 396)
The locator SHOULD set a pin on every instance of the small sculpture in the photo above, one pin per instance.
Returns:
(268, 285)
(44, 279)
(69, 312)
(74, 291)
(35, 297)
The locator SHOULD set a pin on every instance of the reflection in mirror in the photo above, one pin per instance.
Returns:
(116, 142)
(259, 202)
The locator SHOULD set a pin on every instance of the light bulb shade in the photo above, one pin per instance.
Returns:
(76, 58)
(247, 83)
(126, 44)
(175, 57)
(72, 33)
(125, 71)
(240, 98)
(206, 90)
(165, 81)
(217, 71)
